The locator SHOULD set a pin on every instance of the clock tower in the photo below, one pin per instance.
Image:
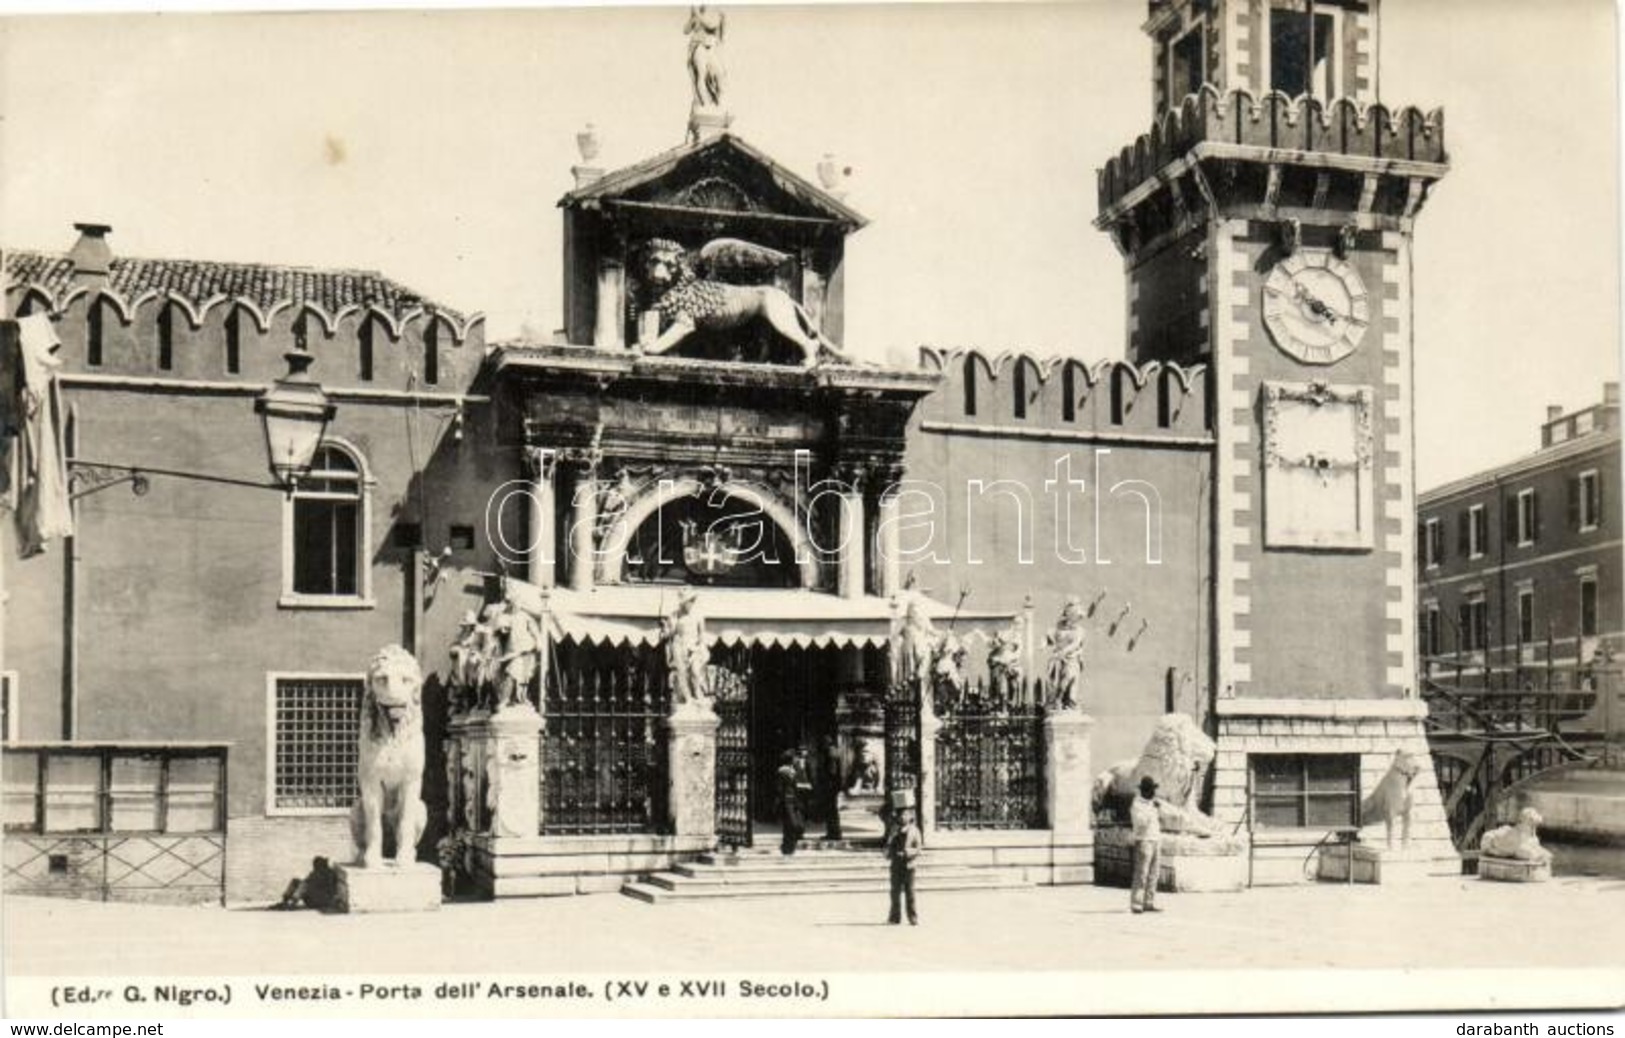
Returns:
(1266, 225)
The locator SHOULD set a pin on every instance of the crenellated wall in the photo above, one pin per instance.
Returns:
(1013, 391)
(1239, 117)
(166, 333)
(1073, 478)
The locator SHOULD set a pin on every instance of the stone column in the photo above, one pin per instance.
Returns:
(887, 562)
(583, 523)
(691, 757)
(609, 329)
(850, 575)
(543, 464)
(1067, 778)
(509, 744)
(926, 794)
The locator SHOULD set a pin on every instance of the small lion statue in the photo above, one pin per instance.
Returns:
(688, 302)
(391, 765)
(1176, 756)
(1394, 797)
(1519, 842)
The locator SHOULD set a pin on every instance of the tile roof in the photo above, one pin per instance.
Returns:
(198, 281)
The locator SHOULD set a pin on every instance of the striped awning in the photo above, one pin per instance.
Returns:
(630, 615)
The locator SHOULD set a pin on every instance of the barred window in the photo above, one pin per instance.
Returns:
(1305, 790)
(317, 725)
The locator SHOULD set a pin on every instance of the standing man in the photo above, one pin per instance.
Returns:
(1147, 847)
(903, 848)
(789, 803)
(834, 773)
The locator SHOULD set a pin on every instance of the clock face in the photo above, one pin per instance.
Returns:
(1315, 307)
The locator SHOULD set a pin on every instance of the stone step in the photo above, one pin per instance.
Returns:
(653, 893)
(683, 874)
(801, 863)
(773, 859)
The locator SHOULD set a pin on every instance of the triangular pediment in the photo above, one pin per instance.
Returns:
(723, 174)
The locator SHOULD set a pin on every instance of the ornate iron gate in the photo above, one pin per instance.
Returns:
(730, 689)
(902, 740)
(989, 764)
(603, 744)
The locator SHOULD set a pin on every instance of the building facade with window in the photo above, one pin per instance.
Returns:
(1217, 502)
(1519, 565)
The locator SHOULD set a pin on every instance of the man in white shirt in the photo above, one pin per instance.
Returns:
(1147, 845)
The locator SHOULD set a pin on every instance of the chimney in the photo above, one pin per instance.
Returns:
(91, 256)
(589, 172)
(1610, 394)
(1554, 412)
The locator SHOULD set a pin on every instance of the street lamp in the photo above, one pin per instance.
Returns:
(295, 411)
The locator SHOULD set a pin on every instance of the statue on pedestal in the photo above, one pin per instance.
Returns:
(521, 648)
(1394, 797)
(1066, 644)
(1519, 842)
(706, 73)
(688, 656)
(1004, 666)
(391, 759)
(919, 648)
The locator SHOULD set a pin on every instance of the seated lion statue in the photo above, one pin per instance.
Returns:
(1177, 756)
(1394, 797)
(688, 303)
(391, 759)
(1519, 842)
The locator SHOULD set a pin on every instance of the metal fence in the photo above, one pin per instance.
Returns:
(116, 822)
(989, 764)
(603, 743)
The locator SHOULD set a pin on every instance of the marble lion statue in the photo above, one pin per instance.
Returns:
(391, 759)
(1177, 755)
(1394, 797)
(1518, 841)
(688, 302)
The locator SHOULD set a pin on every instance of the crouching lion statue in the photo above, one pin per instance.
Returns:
(1518, 842)
(1176, 756)
(688, 303)
(391, 764)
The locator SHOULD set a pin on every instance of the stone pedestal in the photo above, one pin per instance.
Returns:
(861, 820)
(925, 796)
(1513, 870)
(509, 744)
(409, 887)
(1185, 864)
(1370, 864)
(1067, 778)
(692, 769)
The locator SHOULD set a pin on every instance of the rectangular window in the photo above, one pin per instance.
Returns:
(1590, 500)
(1472, 623)
(1301, 53)
(1187, 64)
(9, 721)
(1433, 543)
(1526, 616)
(1528, 517)
(1308, 790)
(1428, 630)
(316, 723)
(1588, 607)
(1478, 531)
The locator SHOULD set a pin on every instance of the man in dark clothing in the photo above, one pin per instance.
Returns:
(789, 781)
(834, 772)
(903, 848)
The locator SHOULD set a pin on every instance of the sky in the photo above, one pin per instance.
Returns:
(434, 146)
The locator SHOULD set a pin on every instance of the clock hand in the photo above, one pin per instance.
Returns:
(1316, 306)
